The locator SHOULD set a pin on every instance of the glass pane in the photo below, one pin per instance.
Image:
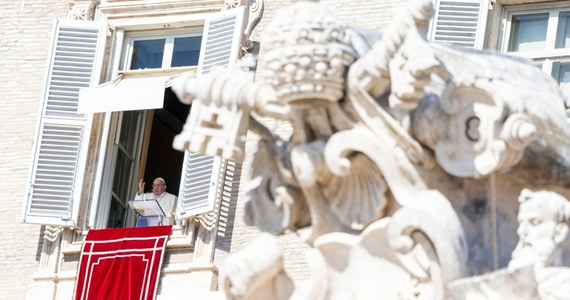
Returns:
(124, 165)
(561, 73)
(186, 51)
(122, 176)
(528, 32)
(563, 31)
(147, 54)
(116, 215)
(129, 126)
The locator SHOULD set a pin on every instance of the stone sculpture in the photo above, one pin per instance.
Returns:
(543, 224)
(373, 122)
(544, 219)
(535, 271)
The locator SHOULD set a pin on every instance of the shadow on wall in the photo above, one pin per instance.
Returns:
(228, 206)
(40, 243)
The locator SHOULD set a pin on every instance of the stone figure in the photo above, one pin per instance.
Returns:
(534, 271)
(373, 119)
(274, 190)
(543, 224)
(544, 218)
(257, 273)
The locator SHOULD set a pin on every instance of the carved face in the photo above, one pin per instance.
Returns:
(158, 187)
(538, 231)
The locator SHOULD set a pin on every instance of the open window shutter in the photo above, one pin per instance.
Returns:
(460, 22)
(55, 179)
(221, 45)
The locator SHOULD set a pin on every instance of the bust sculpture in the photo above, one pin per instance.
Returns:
(544, 218)
(543, 225)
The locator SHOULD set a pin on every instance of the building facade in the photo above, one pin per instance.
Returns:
(88, 156)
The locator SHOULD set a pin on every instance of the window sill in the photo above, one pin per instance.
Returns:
(68, 275)
(181, 237)
(183, 268)
(157, 72)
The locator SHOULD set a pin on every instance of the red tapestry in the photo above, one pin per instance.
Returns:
(121, 263)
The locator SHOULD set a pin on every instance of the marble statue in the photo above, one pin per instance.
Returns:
(534, 271)
(374, 120)
(543, 218)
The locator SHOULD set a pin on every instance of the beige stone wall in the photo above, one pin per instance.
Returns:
(25, 30)
(371, 14)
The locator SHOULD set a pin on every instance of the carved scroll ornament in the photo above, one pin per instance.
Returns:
(485, 120)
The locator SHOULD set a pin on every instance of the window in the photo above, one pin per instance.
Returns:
(141, 139)
(543, 35)
(192, 177)
(528, 32)
(164, 52)
(85, 170)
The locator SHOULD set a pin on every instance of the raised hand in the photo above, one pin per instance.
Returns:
(141, 187)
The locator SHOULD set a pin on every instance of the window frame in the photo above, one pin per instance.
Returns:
(170, 36)
(120, 60)
(550, 54)
(99, 206)
(113, 149)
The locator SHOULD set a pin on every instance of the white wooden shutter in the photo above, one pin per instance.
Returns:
(221, 41)
(460, 22)
(199, 184)
(221, 45)
(54, 186)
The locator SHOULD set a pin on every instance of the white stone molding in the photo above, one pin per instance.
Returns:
(484, 122)
(83, 10)
(257, 272)
(434, 218)
(519, 284)
(229, 4)
(553, 283)
(411, 255)
(402, 178)
(369, 257)
(254, 14)
(51, 233)
(153, 14)
(274, 203)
